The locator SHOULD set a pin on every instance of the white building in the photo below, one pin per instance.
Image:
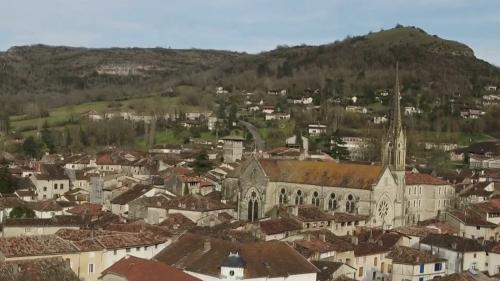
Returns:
(411, 264)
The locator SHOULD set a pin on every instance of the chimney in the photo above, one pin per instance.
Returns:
(354, 240)
(207, 245)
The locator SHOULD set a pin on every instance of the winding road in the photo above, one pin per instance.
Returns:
(260, 144)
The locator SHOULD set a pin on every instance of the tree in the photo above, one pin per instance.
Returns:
(47, 138)
(338, 150)
(7, 182)
(21, 212)
(31, 147)
(201, 163)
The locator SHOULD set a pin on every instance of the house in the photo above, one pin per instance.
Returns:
(372, 247)
(414, 233)
(216, 259)
(415, 265)
(325, 246)
(356, 146)
(277, 116)
(37, 226)
(310, 217)
(461, 253)
(7, 204)
(268, 109)
(489, 210)
(278, 229)
(330, 270)
(410, 110)
(477, 192)
(356, 109)
(275, 92)
(120, 204)
(426, 196)
(492, 257)
(469, 224)
(347, 224)
(132, 268)
(315, 130)
(51, 182)
(472, 113)
(380, 119)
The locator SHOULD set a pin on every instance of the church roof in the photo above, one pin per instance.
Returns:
(322, 173)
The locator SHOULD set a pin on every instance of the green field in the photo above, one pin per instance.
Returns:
(65, 115)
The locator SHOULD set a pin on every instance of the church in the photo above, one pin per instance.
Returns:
(259, 186)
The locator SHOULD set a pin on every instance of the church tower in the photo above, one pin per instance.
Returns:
(394, 153)
(394, 142)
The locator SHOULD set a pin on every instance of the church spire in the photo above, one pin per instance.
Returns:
(396, 116)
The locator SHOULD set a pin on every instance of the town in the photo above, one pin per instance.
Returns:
(272, 153)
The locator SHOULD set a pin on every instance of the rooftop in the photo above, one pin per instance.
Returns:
(135, 269)
(454, 243)
(406, 255)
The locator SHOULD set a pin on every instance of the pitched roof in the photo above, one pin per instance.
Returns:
(42, 245)
(131, 194)
(263, 259)
(469, 217)
(66, 221)
(327, 269)
(454, 243)
(51, 172)
(322, 173)
(46, 269)
(280, 225)
(88, 209)
(194, 202)
(490, 206)
(419, 178)
(135, 269)
(406, 255)
(311, 213)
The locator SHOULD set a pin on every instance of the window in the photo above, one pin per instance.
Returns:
(421, 279)
(115, 252)
(438, 267)
(389, 268)
(283, 198)
(145, 248)
(349, 204)
(44, 188)
(475, 255)
(91, 268)
(156, 246)
(55, 185)
(61, 186)
(374, 276)
(127, 250)
(375, 261)
(422, 267)
(478, 227)
(27, 229)
(332, 202)
(231, 273)
(360, 273)
(299, 199)
(137, 249)
(315, 199)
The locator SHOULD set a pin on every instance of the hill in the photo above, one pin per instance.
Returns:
(362, 65)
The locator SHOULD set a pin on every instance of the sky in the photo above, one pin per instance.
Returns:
(241, 25)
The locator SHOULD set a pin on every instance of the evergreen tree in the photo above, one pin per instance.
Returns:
(32, 148)
(47, 138)
(201, 163)
(21, 212)
(7, 182)
(338, 150)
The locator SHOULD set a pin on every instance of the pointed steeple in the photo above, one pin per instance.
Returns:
(396, 115)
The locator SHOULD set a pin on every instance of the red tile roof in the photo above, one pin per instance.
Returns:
(136, 269)
(418, 178)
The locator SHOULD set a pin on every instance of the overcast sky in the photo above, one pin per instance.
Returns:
(241, 25)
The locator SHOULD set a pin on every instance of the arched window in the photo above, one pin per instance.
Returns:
(315, 199)
(299, 198)
(283, 198)
(332, 202)
(349, 204)
(253, 207)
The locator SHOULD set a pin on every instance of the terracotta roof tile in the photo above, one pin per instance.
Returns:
(135, 269)
(419, 178)
(322, 173)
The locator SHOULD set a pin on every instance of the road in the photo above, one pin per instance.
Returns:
(260, 144)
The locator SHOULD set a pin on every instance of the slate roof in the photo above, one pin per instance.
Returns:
(263, 259)
(322, 173)
(136, 269)
(454, 243)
